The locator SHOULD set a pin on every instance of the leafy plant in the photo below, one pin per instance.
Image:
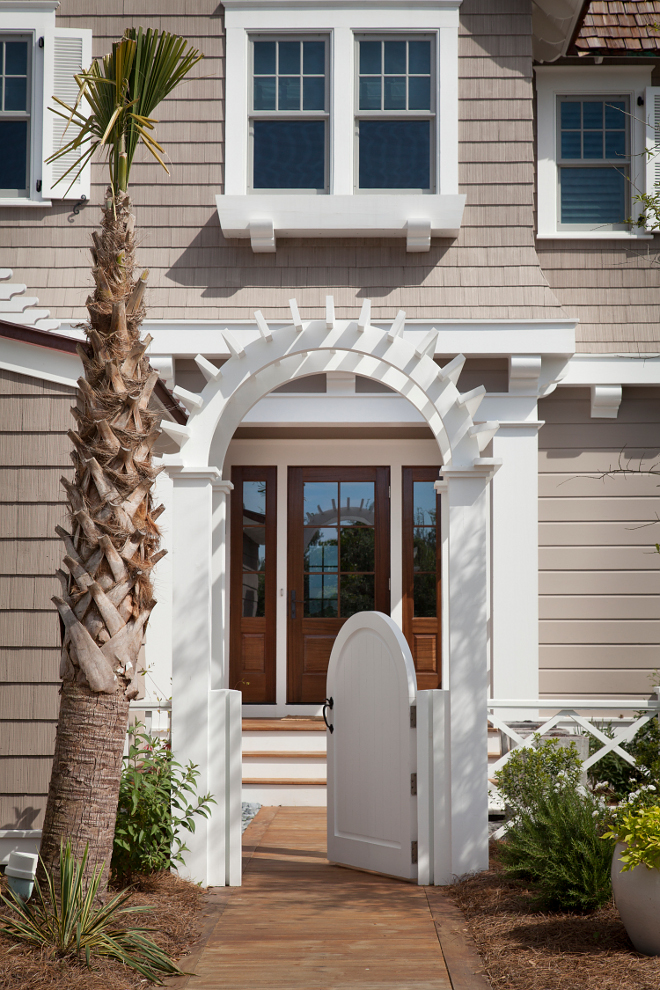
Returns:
(622, 778)
(156, 800)
(531, 773)
(72, 926)
(638, 825)
(122, 90)
(555, 843)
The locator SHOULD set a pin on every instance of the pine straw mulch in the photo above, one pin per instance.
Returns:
(176, 919)
(524, 949)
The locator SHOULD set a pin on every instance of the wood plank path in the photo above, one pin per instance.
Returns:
(299, 922)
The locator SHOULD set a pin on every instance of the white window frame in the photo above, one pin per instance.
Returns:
(22, 115)
(337, 213)
(35, 19)
(555, 81)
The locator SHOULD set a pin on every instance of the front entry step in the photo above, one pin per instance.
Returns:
(284, 761)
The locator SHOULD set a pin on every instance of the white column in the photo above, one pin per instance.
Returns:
(220, 585)
(515, 618)
(204, 721)
(467, 587)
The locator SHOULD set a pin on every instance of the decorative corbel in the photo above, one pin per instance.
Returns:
(524, 373)
(262, 236)
(605, 401)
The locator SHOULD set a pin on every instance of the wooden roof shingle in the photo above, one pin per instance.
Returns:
(620, 27)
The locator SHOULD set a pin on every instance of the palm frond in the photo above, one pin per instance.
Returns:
(122, 90)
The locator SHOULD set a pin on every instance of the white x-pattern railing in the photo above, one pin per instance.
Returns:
(569, 711)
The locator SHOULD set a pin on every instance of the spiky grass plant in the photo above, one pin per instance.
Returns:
(69, 924)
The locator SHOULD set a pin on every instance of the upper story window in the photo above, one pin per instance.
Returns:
(395, 114)
(594, 161)
(15, 104)
(592, 126)
(289, 117)
(333, 122)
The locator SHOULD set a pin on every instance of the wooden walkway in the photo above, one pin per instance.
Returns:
(298, 922)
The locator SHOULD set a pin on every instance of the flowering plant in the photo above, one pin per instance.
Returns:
(637, 824)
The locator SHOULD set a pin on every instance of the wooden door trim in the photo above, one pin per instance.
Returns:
(410, 475)
(268, 623)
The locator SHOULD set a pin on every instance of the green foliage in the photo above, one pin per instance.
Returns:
(156, 798)
(72, 926)
(531, 773)
(555, 843)
(122, 90)
(622, 778)
(640, 830)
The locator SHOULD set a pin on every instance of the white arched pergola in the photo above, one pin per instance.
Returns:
(199, 690)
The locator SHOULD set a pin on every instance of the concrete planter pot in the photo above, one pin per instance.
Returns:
(637, 897)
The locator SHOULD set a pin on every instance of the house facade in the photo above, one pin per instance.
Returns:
(410, 329)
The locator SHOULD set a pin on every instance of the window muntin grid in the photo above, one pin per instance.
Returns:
(289, 114)
(593, 162)
(15, 98)
(395, 113)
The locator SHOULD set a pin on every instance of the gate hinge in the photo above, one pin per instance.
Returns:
(413, 784)
(413, 851)
(413, 716)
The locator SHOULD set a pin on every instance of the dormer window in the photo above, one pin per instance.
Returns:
(594, 161)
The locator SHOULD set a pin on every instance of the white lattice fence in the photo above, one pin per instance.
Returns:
(568, 714)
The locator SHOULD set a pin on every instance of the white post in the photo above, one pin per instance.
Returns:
(467, 584)
(220, 591)
(433, 788)
(515, 619)
(205, 722)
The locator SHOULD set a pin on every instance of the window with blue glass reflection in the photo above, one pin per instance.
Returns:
(594, 160)
(289, 111)
(14, 116)
(395, 113)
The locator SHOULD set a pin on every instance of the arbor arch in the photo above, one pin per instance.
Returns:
(301, 349)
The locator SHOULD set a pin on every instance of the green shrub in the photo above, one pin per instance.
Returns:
(620, 776)
(555, 843)
(72, 926)
(156, 798)
(529, 774)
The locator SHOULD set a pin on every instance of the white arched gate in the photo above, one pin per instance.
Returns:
(372, 758)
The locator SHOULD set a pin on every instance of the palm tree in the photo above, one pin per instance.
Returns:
(113, 540)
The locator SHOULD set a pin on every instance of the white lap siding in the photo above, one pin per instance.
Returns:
(599, 573)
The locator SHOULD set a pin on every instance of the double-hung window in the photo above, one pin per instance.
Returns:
(593, 164)
(289, 114)
(395, 100)
(15, 123)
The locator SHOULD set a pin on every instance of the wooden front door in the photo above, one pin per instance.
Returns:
(339, 564)
(421, 573)
(253, 583)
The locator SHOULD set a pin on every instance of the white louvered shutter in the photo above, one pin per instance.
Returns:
(652, 138)
(67, 51)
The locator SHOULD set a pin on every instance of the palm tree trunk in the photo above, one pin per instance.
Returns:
(111, 547)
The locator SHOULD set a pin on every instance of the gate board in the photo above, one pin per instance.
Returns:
(372, 813)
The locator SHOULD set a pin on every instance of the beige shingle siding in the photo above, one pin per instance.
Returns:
(34, 453)
(196, 274)
(599, 577)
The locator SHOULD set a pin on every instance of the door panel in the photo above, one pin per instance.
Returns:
(338, 536)
(253, 583)
(422, 573)
(372, 807)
